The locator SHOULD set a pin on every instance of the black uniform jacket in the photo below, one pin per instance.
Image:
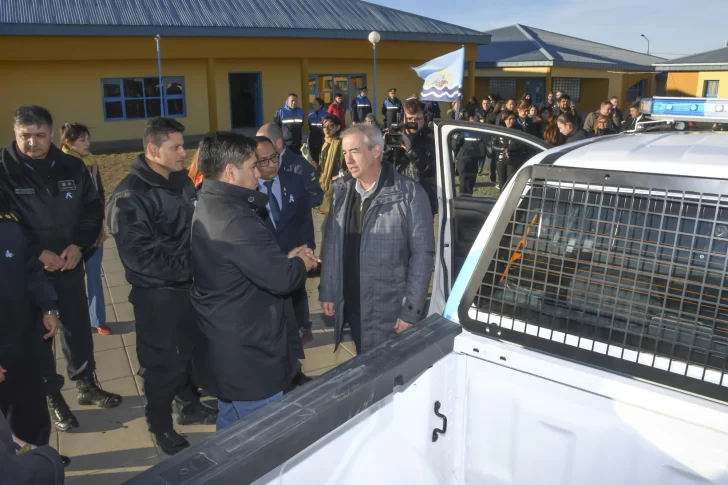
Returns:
(150, 218)
(57, 210)
(241, 296)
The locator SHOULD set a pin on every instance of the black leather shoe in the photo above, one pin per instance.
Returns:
(301, 379)
(171, 442)
(63, 418)
(65, 460)
(90, 392)
(193, 413)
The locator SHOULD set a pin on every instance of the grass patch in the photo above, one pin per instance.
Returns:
(115, 166)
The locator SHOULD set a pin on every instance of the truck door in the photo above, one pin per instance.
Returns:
(462, 215)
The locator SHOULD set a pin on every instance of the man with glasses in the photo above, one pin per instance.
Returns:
(288, 217)
(416, 157)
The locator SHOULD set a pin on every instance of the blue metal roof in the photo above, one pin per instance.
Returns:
(221, 18)
(715, 60)
(522, 46)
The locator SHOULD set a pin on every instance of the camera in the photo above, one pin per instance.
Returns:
(393, 137)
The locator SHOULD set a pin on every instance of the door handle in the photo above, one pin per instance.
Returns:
(436, 432)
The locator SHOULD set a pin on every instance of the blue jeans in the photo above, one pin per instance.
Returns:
(229, 412)
(94, 287)
(481, 164)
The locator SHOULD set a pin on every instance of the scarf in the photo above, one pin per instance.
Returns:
(331, 161)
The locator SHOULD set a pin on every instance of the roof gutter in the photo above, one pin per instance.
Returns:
(556, 63)
(142, 31)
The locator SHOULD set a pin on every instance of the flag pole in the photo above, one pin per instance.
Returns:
(458, 114)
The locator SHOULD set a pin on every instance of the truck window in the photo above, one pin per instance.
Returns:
(629, 271)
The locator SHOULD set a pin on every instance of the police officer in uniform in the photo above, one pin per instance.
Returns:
(469, 148)
(392, 109)
(290, 120)
(56, 201)
(24, 295)
(315, 132)
(361, 106)
(149, 216)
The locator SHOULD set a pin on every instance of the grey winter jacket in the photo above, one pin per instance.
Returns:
(397, 256)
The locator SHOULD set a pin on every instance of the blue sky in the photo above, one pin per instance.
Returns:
(673, 27)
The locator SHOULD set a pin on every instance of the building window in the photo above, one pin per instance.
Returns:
(138, 98)
(637, 91)
(569, 85)
(503, 88)
(325, 86)
(710, 89)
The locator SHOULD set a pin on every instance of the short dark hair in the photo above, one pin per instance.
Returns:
(291, 94)
(636, 104)
(413, 106)
(70, 132)
(565, 96)
(32, 115)
(613, 97)
(604, 103)
(158, 130)
(567, 118)
(332, 118)
(319, 101)
(338, 95)
(510, 99)
(544, 109)
(506, 113)
(222, 148)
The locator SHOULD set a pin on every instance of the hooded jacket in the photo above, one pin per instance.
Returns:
(290, 122)
(150, 217)
(57, 209)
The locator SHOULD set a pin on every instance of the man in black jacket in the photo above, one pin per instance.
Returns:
(149, 215)
(57, 203)
(416, 157)
(242, 283)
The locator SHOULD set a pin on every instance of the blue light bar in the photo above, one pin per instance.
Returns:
(688, 109)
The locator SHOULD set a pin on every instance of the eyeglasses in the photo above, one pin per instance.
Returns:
(267, 162)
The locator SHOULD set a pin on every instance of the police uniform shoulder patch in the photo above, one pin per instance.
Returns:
(8, 217)
(66, 185)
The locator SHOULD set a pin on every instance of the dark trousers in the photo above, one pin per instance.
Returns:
(75, 332)
(468, 173)
(506, 170)
(166, 333)
(22, 401)
(353, 319)
(493, 169)
(300, 307)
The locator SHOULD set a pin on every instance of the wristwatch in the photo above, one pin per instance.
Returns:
(51, 312)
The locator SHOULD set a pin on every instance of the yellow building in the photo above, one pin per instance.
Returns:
(699, 75)
(521, 59)
(224, 67)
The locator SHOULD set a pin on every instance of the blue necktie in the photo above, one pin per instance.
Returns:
(275, 209)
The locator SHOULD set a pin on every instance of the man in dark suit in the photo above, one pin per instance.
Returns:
(288, 217)
(293, 162)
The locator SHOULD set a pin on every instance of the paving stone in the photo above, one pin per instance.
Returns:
(112, 266)
(110, 313)
(124, 312)
(116, 279)
(132, 357)
(106, 342)
(112, 364)
(120, 294)
(129, 339)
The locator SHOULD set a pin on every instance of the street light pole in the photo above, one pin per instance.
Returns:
(374, 38)
(648, 43)
(159, 73)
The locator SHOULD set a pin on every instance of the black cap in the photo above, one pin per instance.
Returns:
(362, 88)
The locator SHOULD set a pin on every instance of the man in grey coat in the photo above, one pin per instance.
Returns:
(379, 245)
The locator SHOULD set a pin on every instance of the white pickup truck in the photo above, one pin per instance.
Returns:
(585, 339)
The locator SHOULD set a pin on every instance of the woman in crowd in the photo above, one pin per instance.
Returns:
(551, 133)
(332, 160)
(570, 128)
(493, 115)
(194, 171)
(524, 123)
(602, 127)
(509, 154)
(471, 107)
(76, 141)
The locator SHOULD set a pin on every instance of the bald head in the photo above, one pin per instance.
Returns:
(273, 133)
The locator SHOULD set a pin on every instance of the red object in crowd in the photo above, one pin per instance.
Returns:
(338, 110)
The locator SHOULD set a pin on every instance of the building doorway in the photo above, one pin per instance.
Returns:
(245, 100)
(535, 87)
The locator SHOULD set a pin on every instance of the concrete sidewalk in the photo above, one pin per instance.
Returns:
(112, 445)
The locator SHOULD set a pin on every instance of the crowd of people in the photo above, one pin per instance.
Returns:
(556, 121)
(218, 255)
(217, 258)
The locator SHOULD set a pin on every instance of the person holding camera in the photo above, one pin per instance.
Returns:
(410, 148)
